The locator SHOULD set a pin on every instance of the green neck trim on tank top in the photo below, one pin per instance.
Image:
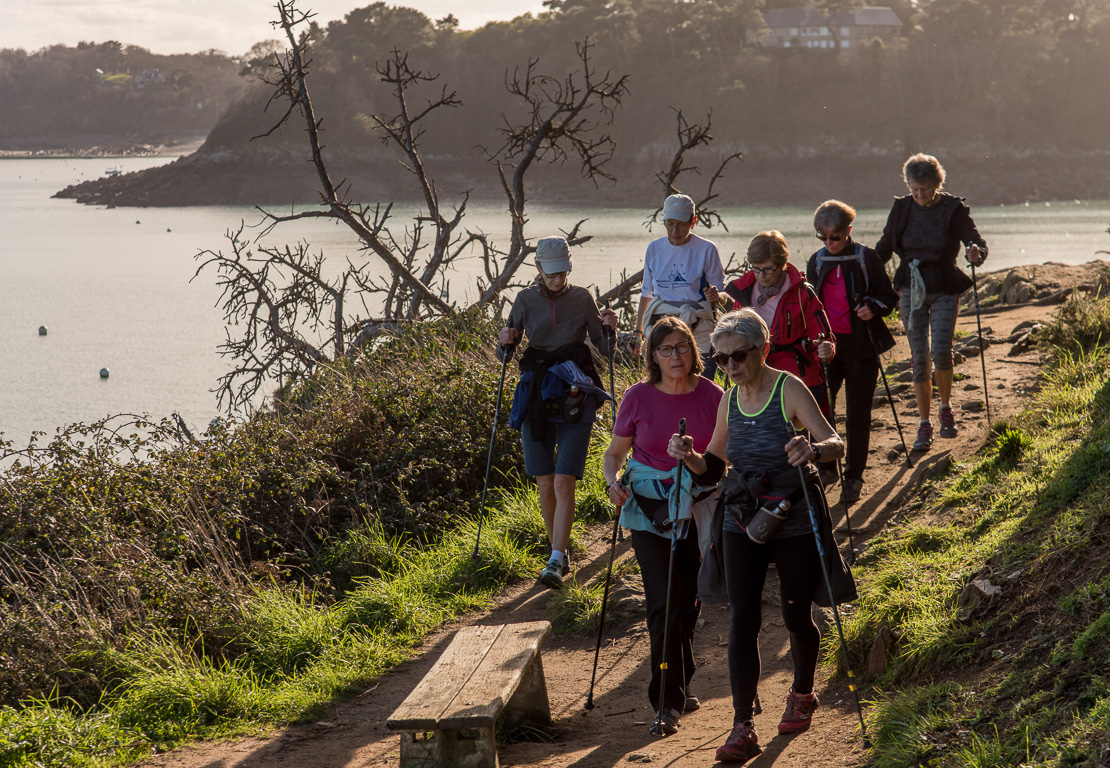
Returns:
(775, 389)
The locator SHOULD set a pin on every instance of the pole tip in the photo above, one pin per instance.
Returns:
(590, 703)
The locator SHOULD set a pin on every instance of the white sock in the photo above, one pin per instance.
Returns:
(557, 557)
(945, 406)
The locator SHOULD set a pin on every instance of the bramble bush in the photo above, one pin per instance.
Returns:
(123, 528)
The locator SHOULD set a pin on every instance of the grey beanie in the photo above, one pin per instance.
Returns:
(553, 255)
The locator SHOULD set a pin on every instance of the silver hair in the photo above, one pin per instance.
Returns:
(923, 169)
(744, 324)
(833, 216)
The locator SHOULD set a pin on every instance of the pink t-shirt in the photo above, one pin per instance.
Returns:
(835, 298)
(650, 417)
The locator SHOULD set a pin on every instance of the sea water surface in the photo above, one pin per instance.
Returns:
(113, 287)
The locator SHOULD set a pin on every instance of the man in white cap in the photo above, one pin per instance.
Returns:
(683, 276)
(559, 389)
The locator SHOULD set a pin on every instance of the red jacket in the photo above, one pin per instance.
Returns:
(799, 315)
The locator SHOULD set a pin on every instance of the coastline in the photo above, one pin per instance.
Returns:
(277, 176)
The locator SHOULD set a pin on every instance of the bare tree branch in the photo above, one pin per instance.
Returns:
(691, 136)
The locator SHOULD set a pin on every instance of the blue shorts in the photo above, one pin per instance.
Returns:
(569, 458)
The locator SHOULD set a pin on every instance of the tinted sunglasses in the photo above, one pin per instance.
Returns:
(830, 238)
(739, 357)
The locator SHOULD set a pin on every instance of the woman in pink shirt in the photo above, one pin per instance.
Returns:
(660, 507)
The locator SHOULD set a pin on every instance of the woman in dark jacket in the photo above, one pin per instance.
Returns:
(926, 229)
(853, 286)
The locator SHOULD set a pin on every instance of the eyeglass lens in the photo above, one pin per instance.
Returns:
(667, 349)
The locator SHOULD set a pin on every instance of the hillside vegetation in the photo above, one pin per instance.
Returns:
(995, 588)
(154, 589)
(110, 95)
(994, 87)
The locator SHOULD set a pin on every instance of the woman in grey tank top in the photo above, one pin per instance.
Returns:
(756, 432)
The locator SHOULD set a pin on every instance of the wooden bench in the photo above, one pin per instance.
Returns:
(448, 719)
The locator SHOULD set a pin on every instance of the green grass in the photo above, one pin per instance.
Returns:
(1027, 670)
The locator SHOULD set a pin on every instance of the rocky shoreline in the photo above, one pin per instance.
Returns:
(270, 176)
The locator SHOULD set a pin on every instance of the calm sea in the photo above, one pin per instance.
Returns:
(113, 285)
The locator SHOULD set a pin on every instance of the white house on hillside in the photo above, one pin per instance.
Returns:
(808, 28)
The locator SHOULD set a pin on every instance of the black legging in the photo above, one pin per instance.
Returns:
(745, 573)
(857, 368)
(653, 554)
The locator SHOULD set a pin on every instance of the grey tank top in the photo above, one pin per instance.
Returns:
(756, 444)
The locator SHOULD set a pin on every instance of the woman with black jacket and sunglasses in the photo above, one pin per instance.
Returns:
(854, 288)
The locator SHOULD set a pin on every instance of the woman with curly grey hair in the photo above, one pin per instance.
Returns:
(926, 229)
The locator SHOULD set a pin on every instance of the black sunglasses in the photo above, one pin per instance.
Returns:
(739, 357)
(830, 238)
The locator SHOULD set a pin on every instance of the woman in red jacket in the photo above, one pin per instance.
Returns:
(801, 337)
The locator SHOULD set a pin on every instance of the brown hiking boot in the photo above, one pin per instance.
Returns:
(799, 712)
(742, 744)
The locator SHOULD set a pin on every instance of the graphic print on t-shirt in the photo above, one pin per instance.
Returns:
(674, 279)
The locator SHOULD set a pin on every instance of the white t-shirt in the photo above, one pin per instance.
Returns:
(679, 273)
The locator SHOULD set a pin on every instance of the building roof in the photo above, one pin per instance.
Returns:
(864, 17)
(794, 17)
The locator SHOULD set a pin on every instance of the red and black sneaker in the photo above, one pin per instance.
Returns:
(742, 744)
(799, 712)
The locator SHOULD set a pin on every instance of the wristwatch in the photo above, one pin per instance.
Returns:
(816, 452)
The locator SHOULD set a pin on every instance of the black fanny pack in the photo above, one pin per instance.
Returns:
(570, 408)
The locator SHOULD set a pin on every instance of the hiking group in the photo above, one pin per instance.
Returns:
(741, 484)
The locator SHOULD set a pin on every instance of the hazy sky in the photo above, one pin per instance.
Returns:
(187, 26)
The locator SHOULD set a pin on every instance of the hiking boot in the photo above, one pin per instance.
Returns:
(947, 423)
(799, 712)
(693, 704)
(924, 439)
(742, 744)
(553, 574)
(853, 489)
(666, 723)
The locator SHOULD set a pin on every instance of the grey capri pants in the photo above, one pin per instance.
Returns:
(935, 321)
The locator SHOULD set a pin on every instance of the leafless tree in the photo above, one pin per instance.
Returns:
(292, 318)
(690, 137)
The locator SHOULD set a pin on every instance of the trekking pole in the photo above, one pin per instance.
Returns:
(839, 470)
(489, 457)
(832, 600)
(612, 539)
(613, 392)
(982, 349)
(657, 725)
(890, 397)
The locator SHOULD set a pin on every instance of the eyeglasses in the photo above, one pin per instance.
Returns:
(667, 350)
(830, 238)
(739, 357)
(763, 270)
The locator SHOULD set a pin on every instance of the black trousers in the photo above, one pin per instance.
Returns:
(745, 574)
(653, 553)
(856, 367)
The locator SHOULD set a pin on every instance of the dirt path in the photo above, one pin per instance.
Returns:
(616, 731)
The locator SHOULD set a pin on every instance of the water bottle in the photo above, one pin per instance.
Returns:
(767, 520)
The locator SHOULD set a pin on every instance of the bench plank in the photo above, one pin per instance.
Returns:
(422, 709)
(484, 695)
